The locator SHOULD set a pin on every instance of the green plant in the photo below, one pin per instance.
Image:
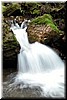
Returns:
(36, 11)
(47, 20)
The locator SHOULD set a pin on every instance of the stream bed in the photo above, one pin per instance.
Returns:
(16, 91)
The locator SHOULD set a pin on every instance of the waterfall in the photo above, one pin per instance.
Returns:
(39, 65)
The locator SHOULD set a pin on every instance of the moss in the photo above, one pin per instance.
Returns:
(42, 19)
(7, 10)
(36, 11)
(57, 8)
(47, 20)
(47, 16)
(54, 27)
(4, 8)
(15, 40)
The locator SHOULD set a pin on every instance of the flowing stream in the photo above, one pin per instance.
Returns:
(38, 66)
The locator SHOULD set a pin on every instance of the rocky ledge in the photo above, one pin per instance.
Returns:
(42, 33)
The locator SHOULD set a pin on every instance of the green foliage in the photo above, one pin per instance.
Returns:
(15, 5)
(47, 20)
(4, 8)
(7, 10)
(36, 11)
(30, 8)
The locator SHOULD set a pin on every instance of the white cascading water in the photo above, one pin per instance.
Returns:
(39, 65)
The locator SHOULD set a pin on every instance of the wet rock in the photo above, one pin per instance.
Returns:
(11, 9)
(13, 90)
(41, 33)
(46, 35)
(10, 46)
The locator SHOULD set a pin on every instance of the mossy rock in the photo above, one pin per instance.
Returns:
(47, 20)
(9, 9)
(10, 46)
(41, 33)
